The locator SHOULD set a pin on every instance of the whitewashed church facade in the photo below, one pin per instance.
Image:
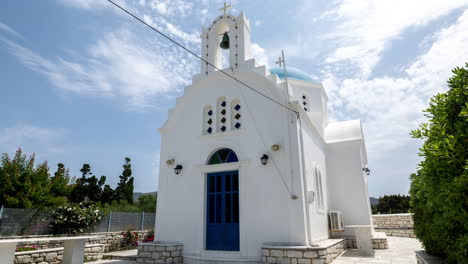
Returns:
(240, 169)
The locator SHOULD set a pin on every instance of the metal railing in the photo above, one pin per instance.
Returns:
(24, 222)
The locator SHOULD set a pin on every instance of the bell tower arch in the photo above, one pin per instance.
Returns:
(238, 30)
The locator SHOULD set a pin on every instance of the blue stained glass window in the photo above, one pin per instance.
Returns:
(223, 128)
(209, 130)
(238, 125)
(237, 107)
(224, 155)
(223, 104)
(210, 113)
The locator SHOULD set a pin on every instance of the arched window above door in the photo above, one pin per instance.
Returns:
(224, 155)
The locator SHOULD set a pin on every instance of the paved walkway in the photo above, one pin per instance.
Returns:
(107, 261)
(401, 251)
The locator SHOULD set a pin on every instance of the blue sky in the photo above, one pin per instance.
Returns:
(81, 82)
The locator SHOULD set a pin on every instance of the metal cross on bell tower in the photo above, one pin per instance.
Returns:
(280, 61)
(225, 8)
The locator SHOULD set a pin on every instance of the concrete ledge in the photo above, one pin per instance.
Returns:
(379, 241)
(195, 259)
(423, 258)
(323, 252)
(55, 255)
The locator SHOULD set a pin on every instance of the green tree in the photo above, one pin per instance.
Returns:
(124, 190)
(88, 187)
(24, 185)
(108, 194)
(439, 189)
(392, 204)
(60, 182)
(147, 202)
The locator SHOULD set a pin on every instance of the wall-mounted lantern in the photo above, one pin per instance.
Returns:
(177, 169)
(366, 170)
(264, 159)
(275, 147)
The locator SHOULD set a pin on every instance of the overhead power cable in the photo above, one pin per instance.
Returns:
(196, 55)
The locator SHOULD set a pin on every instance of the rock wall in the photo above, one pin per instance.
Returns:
(303, 255)
(51, 252)
(400, 225)
(160, 253)
(55, 255)
(111, 240)
(379, 241)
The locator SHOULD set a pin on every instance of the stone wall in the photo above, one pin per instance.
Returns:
(55, 255)
(377, 243)
(111, 240)
(324, 253)
(160, 253)
(51, 252)
(400, 225)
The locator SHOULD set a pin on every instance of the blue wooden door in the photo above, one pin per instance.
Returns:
(222, 223)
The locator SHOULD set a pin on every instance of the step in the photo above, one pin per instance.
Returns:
(121, 255)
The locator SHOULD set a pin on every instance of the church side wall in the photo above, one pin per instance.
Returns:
(314, 157)
(267, 213)
(347, 185)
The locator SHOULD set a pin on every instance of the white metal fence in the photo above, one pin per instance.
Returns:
(20, 221)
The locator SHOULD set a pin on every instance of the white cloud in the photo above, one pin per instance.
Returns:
(171, 7)
(391, 106)
(194, 37)
(9, 30)
(119, 64)
(366, 27)
(28, 136)
(259, 54)
(86, 4)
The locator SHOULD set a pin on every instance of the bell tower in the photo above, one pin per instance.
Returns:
(225, 32)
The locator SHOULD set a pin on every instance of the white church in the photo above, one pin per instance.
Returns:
(243, 167)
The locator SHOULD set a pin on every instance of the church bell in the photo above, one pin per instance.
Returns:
(224, 44)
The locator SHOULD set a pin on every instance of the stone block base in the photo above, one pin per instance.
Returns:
(160, 253)
(379, 241)
(323, 252)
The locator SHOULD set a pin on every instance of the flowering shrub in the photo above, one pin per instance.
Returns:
(21, 249)
(130, 238)
(149, 237)
(73, 219)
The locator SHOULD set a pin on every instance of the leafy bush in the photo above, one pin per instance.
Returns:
(130, 239)
(439, 189)
(149, 237)
(27, 248)
(73, 219)
(392, 204)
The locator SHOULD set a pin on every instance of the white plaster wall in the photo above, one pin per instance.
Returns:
(317, 102)
(347, 183)
(314, 156)
(267, 214)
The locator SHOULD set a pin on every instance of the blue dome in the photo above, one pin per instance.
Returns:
(293, 73)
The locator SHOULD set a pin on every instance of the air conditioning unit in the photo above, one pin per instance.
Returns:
(336, 221)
